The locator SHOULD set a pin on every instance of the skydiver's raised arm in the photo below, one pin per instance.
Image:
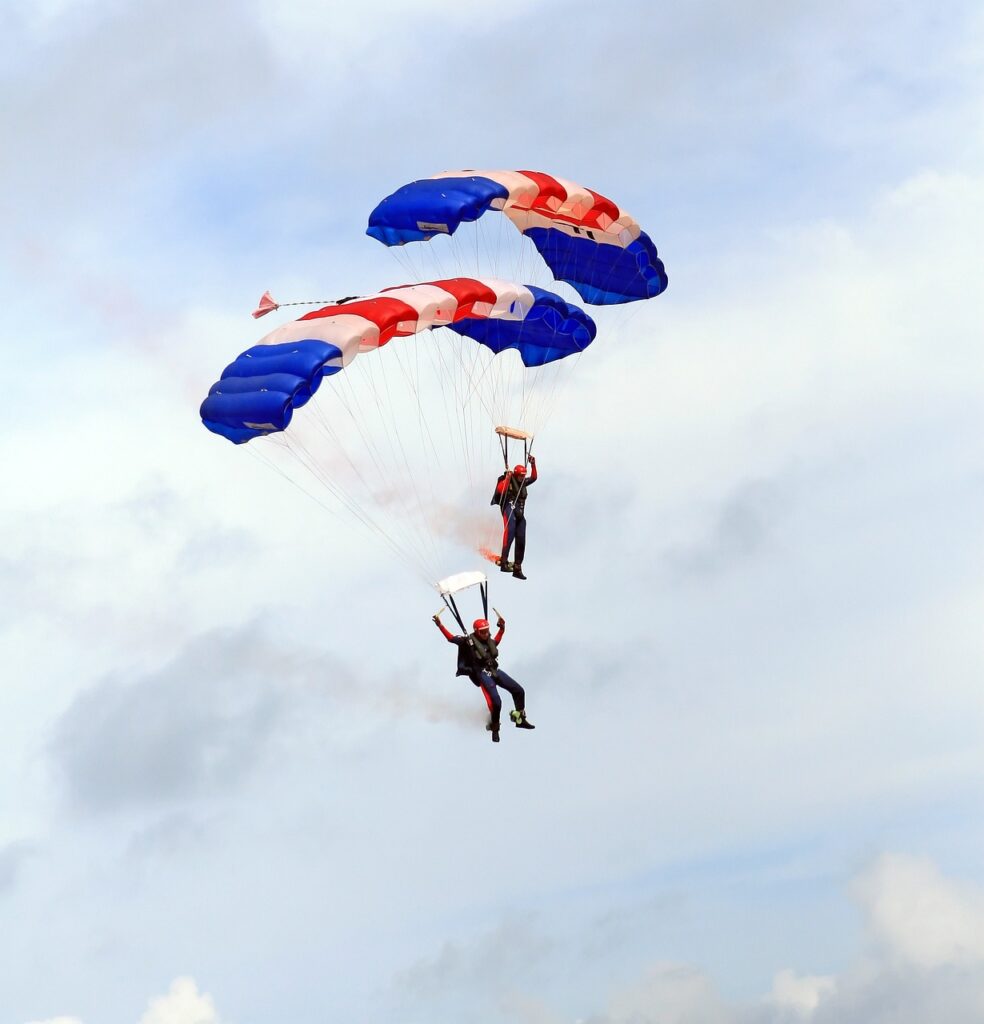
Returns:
(501, 623)
(532, 479)
(448, 635)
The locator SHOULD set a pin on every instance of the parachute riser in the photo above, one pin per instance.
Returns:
(453, 609)
(449, 601)
(504, 434)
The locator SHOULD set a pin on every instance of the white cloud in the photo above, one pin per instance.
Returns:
(919, 916)
(183, 1004)
(801, 993)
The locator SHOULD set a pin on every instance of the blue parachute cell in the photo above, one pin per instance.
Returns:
(553, 329)
(602, 274)
(258, 391)
(434, 206)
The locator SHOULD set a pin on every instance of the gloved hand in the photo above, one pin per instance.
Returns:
(500, 622)
(437, 619)
(532, 460)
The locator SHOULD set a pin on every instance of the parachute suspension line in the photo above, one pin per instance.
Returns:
(412, 479)
(321, 423)
(453, 370)
(561, 374)
(413, 378)
(477, 237)
(312, 464)
(406, 263)
(412, 560)
(266, 460)
(385, 468)
(442, 373)
(483, 412)
(261, 457)
(424, 432)
(368, 441)
(473, 433)
(326, 428)
(385, 412)
(464, 415)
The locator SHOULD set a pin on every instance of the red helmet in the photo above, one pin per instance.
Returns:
(479, 624)
(520, 471)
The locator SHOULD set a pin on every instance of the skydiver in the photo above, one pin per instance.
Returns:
(478, 658)
(510, 496)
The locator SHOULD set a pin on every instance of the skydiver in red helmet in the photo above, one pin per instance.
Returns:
(478, 658)
(510, 496)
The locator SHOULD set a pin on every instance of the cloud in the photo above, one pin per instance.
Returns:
(492, 971)
(668, 994)
(921, 918)
(742, 528)
(801, 994)
(926, 963)
(197, 725)
(92, 548)
(12, 858)
(201, 723)
(183, 1004)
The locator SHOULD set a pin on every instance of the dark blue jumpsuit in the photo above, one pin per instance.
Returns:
(481, 665)
(510, 496)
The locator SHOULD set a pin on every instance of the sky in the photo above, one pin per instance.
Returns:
(241, 784)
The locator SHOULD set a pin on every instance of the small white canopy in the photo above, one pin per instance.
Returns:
(460, 581)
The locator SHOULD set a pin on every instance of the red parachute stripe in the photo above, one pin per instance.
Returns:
(467, 292)
(550, 188)
(386, 314)
(602, 205)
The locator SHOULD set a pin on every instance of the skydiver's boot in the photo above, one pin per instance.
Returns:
(520, 721)
(518, 571)
(505, 566)
(492, 726)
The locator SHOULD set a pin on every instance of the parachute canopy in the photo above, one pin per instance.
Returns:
(259, 391)
(584, 238)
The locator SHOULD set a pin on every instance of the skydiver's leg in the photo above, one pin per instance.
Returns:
(520, 520)
(486, 683)
(508, 683)
(508, 532)
(518, 716)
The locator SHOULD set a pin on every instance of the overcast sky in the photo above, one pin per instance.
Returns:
(241, 784)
